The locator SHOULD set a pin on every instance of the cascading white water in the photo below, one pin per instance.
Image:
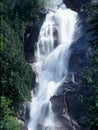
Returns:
(52, 56)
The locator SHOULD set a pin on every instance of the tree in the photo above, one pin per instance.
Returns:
(91, 73)
(19, 12)
(25, 9)
(15, 73)
(8, 120)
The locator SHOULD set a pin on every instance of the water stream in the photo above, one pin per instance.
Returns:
(51, 66)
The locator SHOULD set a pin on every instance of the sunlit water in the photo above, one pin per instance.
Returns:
(51, 67)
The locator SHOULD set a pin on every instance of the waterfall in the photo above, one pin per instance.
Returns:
(51, 67)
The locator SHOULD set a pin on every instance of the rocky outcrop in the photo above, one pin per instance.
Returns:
(68, 101)
(30, 39)
(23, 127)
(77, 5)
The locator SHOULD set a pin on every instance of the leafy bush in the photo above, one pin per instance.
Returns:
(7, 122)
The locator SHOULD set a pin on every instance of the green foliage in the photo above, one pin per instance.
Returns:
(16, 75)
(25, 9)
(1, 43)
(7, 122)
(19, 12)
(91, 73)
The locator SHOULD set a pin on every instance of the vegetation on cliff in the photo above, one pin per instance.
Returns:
(8, 120)
(16, 75)
(91, 73)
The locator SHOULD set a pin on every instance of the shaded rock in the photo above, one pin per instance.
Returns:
(24, 112)
(76, 4)
(30, 39)
(63, 123)
(58, 104)
(69, 101)
(75, 107)
(23, 127)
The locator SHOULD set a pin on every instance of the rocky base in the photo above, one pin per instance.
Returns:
(23, 127)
